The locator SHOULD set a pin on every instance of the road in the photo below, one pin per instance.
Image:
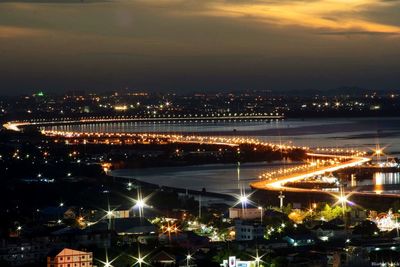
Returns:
(278, 183)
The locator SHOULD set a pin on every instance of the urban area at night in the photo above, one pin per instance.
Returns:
(209, 133)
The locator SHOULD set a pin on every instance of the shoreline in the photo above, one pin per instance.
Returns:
(192, 192)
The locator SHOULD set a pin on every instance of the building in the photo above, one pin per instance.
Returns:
(330, 231)
(248, 230)
(245, 214)
(300, 240)
(24, 252)
(70, 258)
(133, 226)
(163, 258)
(187, 239)
(97, 235)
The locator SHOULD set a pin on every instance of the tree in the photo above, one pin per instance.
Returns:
(279, 262)
(298, 216)
(330, 213)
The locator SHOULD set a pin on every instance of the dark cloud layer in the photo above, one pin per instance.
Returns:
(190, 44)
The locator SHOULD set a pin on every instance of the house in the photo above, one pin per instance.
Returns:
(328, 231)
(24, 252)
(162, 258)
(185, 239)
(248, 230)
(96, 235)
(133, 226)
(245, 214)
(121, 211)
(128, 230)
(70, 258)
(299, 240)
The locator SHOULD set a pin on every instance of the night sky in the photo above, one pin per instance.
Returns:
(186, 45)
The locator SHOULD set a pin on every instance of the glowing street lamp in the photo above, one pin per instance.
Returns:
(188, 258)
(140, 260)
(378, 152)
(110, 213)
(258, 258)
(243, 199)
(140, 204)
(107, 262)
(342, 199)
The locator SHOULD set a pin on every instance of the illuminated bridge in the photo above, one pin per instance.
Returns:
(17, 125)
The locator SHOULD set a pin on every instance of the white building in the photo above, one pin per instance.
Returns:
(245, 214)
(246, 230)
(70, 258)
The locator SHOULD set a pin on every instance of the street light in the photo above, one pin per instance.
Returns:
(107, 262)
(139, 259)
(243, 199)
(188, 258)
(258, 258)
(140, 204)
(110, 213)
(343, 199)
(261, 213)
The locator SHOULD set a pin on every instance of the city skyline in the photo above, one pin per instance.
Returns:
(198, 45)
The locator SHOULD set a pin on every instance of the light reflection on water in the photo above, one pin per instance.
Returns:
(390, 178)
(381, 179)
(379, 182)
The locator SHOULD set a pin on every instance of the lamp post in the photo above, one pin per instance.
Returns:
(261, 213)
(140, 203)
(343, 201)
(257, 258)
(188, 258)
(243, 200)
(110, 215)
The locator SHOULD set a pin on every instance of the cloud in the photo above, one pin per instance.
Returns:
(321, 15)
(54, 1)
(349, 33)
(244, 42)
(335, 15)
(20, 32)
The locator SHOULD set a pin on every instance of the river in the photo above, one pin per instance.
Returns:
(357, 133)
